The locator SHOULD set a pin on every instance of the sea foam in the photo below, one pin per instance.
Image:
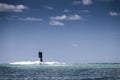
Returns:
(37, 62)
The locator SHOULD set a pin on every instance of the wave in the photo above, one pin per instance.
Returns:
(38, 62)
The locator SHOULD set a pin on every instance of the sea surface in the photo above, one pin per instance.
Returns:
(59, 71)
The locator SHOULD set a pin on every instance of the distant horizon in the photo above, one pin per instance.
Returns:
(63, 62)
(66, 62)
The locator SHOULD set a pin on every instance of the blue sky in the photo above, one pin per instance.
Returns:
(82, 31)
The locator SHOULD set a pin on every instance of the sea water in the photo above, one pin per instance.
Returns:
(59, 71)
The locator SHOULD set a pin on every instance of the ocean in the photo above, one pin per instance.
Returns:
(59, 71)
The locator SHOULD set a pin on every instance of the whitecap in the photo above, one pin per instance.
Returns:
(26, 62)
(38, 62)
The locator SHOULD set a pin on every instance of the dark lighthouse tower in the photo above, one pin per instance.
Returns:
(40, 56)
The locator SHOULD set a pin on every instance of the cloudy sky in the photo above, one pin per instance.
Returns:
(82, 31)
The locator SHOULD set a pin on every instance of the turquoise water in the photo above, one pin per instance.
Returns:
(60, 72)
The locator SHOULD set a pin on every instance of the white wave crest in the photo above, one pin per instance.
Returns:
(26, 62)
(53, 62)
(37, 62)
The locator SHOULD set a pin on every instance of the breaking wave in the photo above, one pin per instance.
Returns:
(37, 62)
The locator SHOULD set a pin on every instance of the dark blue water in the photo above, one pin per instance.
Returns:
(60, 72)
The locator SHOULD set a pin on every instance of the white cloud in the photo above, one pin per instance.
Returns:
(56, 23)
(77, 2)
(30, 19)
(75, 45)
(87, 2)
(4, 7)
(111, 13)
(56, 20)
(65, 17)
(84, 2)
(49, 7)
(74, 17)
(66, 10)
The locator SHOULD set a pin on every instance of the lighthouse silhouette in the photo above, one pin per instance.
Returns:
(40, 56)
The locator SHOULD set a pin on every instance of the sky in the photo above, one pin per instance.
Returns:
(71, 31)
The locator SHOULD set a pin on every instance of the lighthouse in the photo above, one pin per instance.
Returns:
(40, 56)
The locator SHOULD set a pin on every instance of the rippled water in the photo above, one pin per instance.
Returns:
(57, 71)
